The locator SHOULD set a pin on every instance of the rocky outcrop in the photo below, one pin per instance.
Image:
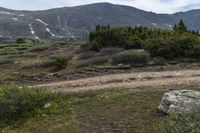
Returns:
(180, 102)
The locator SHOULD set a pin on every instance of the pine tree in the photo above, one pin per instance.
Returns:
(180, 27)
(175, 28)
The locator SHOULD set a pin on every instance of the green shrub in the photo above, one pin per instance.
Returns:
(20, 41)
(17, 102)
(92, 61)
(93, 46)
(159, 43)
(39, 48)
(131, 57)
(106, 37)
(133, 43)
(184, 45)
(61, 62)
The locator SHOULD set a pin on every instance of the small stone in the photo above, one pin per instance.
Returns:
(120, 65)
(47, 105)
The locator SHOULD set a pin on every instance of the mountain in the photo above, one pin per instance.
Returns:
(76, 22)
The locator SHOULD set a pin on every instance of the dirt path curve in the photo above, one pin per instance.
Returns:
(126, 81)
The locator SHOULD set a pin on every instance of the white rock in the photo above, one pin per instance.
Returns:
(180, 101)
(47, 105)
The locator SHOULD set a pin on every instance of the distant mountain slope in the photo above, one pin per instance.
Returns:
(76, 22)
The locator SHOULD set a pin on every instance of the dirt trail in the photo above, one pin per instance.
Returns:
(126, 80)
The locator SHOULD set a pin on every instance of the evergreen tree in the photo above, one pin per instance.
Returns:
(175, 28)
(180, 27)
(98, 27)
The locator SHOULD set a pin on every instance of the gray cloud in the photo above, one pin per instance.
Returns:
(159, 6)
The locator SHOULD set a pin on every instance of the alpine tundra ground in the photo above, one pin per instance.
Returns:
(86, 96)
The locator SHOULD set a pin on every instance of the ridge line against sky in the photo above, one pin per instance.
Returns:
(157, 6)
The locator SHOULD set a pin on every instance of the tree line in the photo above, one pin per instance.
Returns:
(168, 43)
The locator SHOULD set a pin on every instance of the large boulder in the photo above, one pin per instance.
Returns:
(180, 102)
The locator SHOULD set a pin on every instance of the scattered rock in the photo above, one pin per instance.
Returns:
(47, 105)
(180, 102)
(120, 65)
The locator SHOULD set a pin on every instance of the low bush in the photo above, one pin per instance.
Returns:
(133, 43)
(107, 37)
(39, 48)
(110, 50)
(17, 102)
(56, 63)
(92, 46)
(61, 62)
(184, 45)
(20, 41)
(169, 44)
(131, 57)
(107, 51)
(92, 61)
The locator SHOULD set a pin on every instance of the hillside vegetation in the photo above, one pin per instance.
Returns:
(118, 62)
(24, 109)
(170, 44)
(107, 49)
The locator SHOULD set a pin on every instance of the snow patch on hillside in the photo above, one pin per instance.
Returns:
(21, 15)
(99, 18)
(48, 30)
(72, 36)
(154, 24)
(33, 32)
(15, 19)
(170, 26)
(37, 38)
(61, 36)
(2, 36)
(39, 20)
(31, 29)
(8, 13)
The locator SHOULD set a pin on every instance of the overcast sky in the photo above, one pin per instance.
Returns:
(158, 6)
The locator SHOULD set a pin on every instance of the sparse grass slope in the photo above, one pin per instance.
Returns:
(46, 112)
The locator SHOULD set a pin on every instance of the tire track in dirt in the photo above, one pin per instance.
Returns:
(126, 81)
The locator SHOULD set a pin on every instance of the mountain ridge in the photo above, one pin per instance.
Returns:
(76, 22)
